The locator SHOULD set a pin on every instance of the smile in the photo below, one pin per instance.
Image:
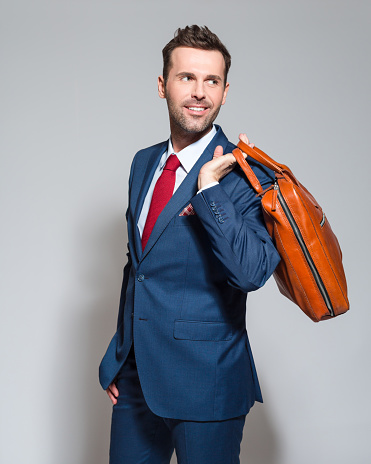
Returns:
(198, 109)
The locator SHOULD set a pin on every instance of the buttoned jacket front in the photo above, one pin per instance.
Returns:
(183, 299)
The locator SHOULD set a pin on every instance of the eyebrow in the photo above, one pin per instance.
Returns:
(214, 77)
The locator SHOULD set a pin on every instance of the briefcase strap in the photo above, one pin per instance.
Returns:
(237, 153)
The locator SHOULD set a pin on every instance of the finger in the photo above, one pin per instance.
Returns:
(218, 151)
(112, 397)
(113, 392)
(227, 162)
(114, 389)
(244, 138)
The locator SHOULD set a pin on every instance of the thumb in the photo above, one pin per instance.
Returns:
(218, 151)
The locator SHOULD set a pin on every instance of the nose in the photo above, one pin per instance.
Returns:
(198, 90)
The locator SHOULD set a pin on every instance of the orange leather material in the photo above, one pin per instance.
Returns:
(254, 181)
(310, 272)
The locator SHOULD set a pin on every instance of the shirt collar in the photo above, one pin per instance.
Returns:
(190, 154)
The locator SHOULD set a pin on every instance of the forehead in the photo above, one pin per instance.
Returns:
(186, 59)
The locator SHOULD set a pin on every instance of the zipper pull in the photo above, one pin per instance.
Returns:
(274, 196)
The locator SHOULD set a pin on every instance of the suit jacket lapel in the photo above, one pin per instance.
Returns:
(186, 190)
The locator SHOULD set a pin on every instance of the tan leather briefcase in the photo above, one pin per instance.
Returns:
(310, 272)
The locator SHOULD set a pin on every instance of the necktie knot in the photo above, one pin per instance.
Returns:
(172, 163)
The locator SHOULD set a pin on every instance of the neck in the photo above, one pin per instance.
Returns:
(181, 139)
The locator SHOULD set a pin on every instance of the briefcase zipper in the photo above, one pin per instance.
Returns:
(305, 250)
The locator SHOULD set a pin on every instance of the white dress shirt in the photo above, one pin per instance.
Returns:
(187, 157)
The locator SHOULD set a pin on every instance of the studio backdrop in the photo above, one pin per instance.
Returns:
(78, 99)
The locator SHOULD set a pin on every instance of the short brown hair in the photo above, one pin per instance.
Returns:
(195, 37)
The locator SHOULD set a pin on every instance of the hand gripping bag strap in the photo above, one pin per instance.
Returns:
(310, 272)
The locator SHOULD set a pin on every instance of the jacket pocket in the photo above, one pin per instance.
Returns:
(202, 330)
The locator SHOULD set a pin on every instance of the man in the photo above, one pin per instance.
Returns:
(179, 370)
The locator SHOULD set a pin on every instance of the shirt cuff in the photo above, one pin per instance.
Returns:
(208, 186)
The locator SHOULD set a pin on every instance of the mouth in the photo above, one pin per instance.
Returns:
(197, 110)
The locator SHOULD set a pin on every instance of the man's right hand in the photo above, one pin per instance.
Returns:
(220, 165)
(112, 392)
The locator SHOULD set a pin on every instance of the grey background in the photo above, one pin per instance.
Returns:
(78, 99)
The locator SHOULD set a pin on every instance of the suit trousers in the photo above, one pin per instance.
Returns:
(138, 436)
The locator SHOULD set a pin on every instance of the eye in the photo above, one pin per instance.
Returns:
(212, 82)
(186, 78)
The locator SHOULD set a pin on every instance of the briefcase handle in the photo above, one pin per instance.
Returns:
(262, 157)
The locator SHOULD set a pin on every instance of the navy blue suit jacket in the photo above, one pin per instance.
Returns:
(183, 298)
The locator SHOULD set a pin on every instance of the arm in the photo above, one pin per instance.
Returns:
(112, 390)
(124, 285)
(236, 228)
(128, 264)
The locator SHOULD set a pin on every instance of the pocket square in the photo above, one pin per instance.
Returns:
(188, 211)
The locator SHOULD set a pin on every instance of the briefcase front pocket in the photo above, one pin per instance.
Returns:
(202, 330)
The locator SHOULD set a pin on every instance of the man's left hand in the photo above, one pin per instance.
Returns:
(219, 166)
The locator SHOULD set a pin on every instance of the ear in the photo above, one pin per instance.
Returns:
(226, 88)
(161, 87)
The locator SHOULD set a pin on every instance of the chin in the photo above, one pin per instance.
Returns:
(195, 128)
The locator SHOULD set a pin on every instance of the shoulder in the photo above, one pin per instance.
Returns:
(145, 153)
(142, 158)
(152, 148)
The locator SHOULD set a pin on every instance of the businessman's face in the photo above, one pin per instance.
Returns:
(195, 89)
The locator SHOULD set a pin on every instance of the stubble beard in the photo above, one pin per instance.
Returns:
(190, 124)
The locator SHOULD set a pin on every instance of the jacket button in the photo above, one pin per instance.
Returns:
(140, 278)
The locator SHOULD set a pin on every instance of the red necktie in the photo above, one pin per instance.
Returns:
(162, 193)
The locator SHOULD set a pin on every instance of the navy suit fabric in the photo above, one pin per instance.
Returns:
(183, 299)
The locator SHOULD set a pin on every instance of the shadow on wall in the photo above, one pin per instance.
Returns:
(260, 443)
(81, 414)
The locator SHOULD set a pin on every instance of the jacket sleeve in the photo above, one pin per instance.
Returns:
(124, 285)
(237, 232)
(127, 267)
